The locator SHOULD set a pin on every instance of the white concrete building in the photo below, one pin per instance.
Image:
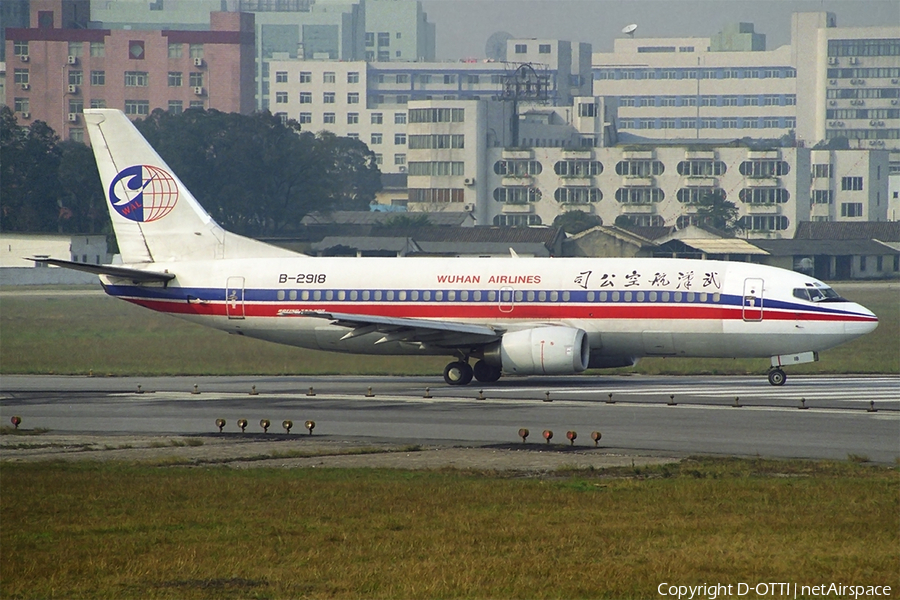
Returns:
(830, 82)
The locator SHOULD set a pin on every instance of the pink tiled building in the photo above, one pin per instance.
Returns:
(57, 67)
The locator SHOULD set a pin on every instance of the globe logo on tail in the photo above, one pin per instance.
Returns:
(143, 193)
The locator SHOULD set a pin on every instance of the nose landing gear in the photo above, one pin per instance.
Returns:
(777, 377)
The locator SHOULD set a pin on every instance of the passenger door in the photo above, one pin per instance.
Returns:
(752, 309)
(234, 298)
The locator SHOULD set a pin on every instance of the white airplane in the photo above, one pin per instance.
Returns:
(516, 316)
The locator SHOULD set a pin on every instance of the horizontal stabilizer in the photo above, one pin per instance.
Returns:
(136, 275)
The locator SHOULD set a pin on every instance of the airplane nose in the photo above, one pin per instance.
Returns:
(867, 324)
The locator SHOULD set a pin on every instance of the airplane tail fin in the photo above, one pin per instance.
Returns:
(155, 217)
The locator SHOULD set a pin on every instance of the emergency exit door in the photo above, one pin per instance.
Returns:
(234, 298)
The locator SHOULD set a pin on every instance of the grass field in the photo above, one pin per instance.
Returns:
(113, 530)
(79, 334)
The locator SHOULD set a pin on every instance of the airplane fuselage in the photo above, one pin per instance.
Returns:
(628, 307)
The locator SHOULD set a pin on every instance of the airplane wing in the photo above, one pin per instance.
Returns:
(440, 333)
(135, 275)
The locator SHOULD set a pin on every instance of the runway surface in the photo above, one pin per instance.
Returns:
(642, 417)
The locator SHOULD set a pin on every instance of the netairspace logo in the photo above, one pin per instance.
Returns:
(772, 590)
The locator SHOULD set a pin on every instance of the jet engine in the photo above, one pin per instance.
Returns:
(541, 351)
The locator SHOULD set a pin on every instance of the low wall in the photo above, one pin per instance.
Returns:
(45, 276)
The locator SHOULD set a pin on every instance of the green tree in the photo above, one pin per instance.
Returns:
(715, 211)
(256, 175)
(29, 185)
(576, 221)
(82, 202)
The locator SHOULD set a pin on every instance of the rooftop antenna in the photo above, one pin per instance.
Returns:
(629, 30)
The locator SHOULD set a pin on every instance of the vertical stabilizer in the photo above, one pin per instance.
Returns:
(155, 217)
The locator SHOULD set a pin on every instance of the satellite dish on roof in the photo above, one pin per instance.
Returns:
(630, 29)
(495, 48)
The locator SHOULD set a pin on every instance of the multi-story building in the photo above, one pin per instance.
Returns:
(369, 100)
(59, 67)
(342, 30)
(830, 82)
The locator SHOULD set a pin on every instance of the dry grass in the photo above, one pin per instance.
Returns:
(130, 531)
(78, 334)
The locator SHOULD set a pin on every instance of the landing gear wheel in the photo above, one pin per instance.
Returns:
(777, 377)
(486, 373)
(458, 373)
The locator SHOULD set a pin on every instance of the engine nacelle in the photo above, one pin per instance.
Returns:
(541, 351)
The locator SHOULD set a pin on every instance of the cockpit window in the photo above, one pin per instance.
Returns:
(818, 294)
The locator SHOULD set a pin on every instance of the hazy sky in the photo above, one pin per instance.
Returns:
(463, 26)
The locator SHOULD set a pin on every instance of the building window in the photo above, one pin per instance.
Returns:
(76, 105)
(399, 159)
(98, 103)
(305, 118)
(352, 118)
(281, 97)
(370, 39)
(328, 98)
(21, 76)
(543, 48)
(379, 159)
(852, 184)
(821, 171)
(436, 141)
(377, 118)
(76, 49)
(98, 77)
(281, 77)
(175, 50)
(639, 168)
(763, 195)
(851, 209)
(76, 134)
(353, 98)
(98, 49)
(760, 169)
(424, 78)
(402, 78)
(328, 77)
(196, 50)
(521, 48)
(77, 77)
(437, 195)
(577, 168)
(822, 197)
(136, 79)
(402, 99)
(20, 48)
(449, 79)
(517, 194)
(437, 115)
(376, 139)
(701, 168)
(22, 105)
(176, 107)
(328, 118)
(353, 77)
(136, 50)
(305, 97)
(196, 104)
(639, 195)
(305, 77)
(175, 79)
(437, 168)
(763, 223)
(196, 79)
(399, 139)
(137, 107)
(577, 195)
(516, 220)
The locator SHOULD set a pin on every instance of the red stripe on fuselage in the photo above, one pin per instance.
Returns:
(492, 311)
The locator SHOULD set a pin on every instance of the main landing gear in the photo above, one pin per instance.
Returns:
(460, 373)
(777, 376)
